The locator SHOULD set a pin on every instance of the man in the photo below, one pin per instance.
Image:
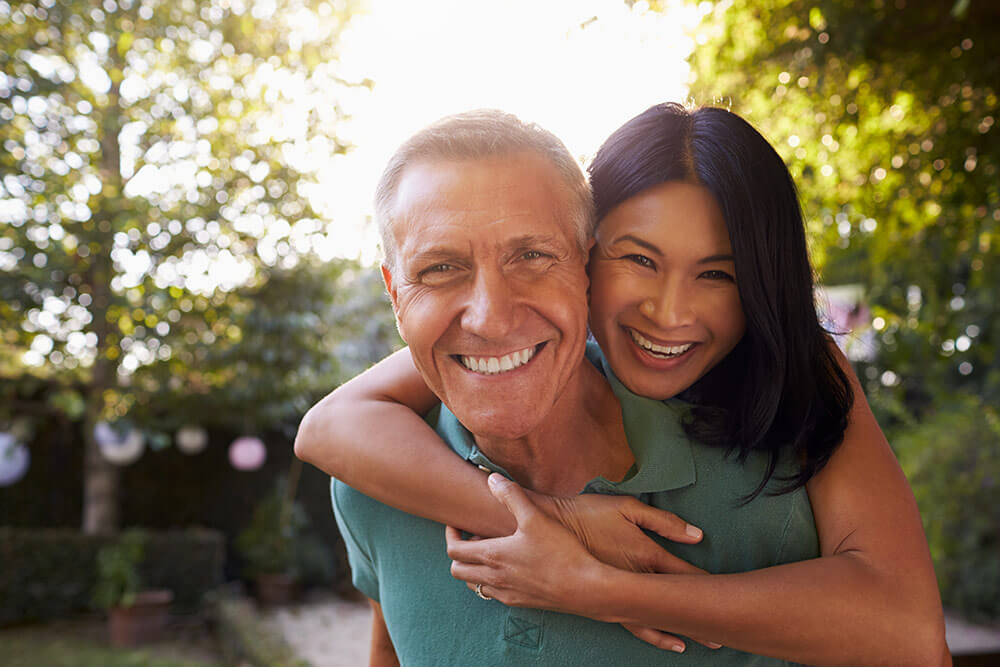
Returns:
(486, 224)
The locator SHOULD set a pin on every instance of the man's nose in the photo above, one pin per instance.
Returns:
(491, 309)
(668, 306)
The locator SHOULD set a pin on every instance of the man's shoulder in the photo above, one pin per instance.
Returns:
(355, 509)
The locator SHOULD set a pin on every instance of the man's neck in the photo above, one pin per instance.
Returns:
(582, 438)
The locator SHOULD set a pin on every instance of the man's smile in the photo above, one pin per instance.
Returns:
(502, 364)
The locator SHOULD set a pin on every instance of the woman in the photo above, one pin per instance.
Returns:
(701, 287)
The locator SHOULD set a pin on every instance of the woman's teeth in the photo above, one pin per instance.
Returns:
(659, 350)
(494, 365)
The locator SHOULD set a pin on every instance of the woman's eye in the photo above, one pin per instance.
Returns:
(716, 274)
(641, 260)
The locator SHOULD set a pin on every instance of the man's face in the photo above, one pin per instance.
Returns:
(489, 288)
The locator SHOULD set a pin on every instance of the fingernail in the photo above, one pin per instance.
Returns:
(494, 479)
(693, 531)
(713, 645)
(677, 648)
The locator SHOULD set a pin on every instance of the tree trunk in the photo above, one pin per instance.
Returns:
(100, 477)
(100, 487)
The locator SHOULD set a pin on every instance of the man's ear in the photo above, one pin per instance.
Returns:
(389, 287)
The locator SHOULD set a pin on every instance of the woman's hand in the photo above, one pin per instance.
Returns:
(611, 528)
(542, 565)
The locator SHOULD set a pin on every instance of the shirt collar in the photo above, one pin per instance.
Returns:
(662, 451)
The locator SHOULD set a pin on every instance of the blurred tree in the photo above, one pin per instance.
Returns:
(155, 167)
(885, 112)
(285, 343)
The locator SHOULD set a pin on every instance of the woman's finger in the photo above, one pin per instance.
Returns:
(661, 522)
(513, 498)
(657, 638)
(472, 574)
(468, 551)
(664, 562)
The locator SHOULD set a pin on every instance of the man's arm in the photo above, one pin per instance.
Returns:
(383, 653)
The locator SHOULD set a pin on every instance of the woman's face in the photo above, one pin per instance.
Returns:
(663, 303)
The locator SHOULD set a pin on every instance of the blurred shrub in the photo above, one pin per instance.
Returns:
(50, 573)
(951, 459)
(279, 540)
(118, 564)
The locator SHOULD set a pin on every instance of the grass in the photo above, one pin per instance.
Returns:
(83, 643)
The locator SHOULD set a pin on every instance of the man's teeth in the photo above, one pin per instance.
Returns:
(662, 350)
(494, 365)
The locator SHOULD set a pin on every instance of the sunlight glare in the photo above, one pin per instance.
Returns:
(579, 68)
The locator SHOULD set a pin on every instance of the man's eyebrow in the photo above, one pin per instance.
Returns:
(432, 255)
(528, 240)
(639, 242)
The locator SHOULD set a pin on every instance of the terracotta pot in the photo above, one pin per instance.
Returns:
(141, 622)
(276, 589)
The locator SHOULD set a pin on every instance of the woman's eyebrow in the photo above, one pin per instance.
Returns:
(639, 242)
(711, 259)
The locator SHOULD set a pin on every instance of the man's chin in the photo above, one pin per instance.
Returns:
(509, 423)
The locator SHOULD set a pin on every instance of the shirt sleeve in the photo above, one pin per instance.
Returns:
(363, 574)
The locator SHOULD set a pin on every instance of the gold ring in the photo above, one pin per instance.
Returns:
(479, 592)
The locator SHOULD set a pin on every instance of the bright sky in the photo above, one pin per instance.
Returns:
(579, 68)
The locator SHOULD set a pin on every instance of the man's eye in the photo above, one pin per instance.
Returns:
(533, 254)
(439, 274)
(641, 260)
(716, 274)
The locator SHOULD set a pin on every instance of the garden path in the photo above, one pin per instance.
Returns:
(335, 632)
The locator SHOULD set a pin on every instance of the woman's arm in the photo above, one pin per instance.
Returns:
(871, 598)
(368, 434)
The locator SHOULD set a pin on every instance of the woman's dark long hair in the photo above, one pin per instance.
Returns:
(781, 388)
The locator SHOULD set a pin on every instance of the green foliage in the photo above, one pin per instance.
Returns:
(118, 564)
(299, 334)
(146, 170)
(53, 573)
(951, 462)
(885, 113)
(278, 540)
(71, 645)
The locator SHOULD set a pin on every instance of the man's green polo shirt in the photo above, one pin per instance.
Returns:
(399, 560)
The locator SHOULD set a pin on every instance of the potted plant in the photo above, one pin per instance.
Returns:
(267, 545)
(277, 549)
(135, 614)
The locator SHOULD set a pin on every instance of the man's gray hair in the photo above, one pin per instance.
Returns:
(480, 134)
